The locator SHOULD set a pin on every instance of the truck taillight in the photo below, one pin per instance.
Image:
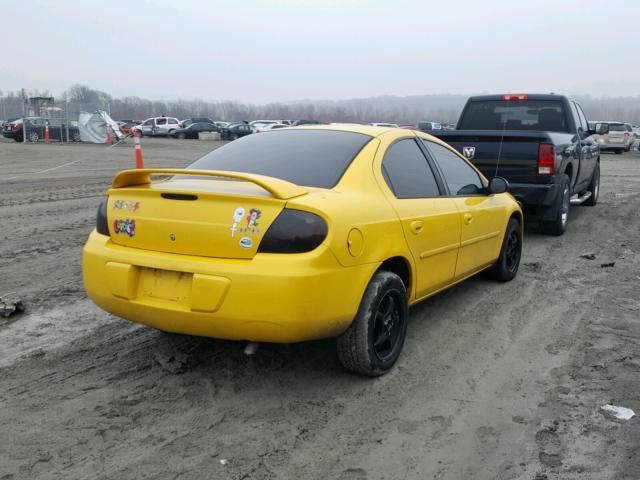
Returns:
(515, 96)
(546, 159)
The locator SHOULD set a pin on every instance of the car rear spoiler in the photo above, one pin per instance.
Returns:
(277, 187)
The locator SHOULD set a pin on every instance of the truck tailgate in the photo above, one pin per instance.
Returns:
(518, 151)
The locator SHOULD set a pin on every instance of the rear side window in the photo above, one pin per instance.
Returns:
(406, 171)
(461, 178)
(616, 127)
(544, 115)
(161, 121)
(313, 158)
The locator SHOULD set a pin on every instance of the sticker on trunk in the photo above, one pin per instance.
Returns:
(246, 242)
(125, 227)
(128, 205)
(238, 214)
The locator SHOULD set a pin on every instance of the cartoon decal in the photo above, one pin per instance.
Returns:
(126, 205)
(237, 217)
(126, 226)
(252, 218)
(246, 242)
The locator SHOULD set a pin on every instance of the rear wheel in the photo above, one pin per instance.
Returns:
(182, 136)
(76, 137)
(34, 137)
(506, 268)
(594, 187)
(558, 224)
(373, 342)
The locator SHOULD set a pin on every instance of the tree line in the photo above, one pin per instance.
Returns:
(395, 109)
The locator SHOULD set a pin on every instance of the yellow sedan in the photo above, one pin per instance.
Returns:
(299, 234)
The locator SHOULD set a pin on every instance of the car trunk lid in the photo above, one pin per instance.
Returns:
(192, 212)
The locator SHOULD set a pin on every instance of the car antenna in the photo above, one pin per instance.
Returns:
(506, 98)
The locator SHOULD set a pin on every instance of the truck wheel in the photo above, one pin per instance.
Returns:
(558, 225)
(506, 267)
(594, 187)
(373, 342)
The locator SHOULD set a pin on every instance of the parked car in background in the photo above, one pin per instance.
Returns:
(632, 134)
(221, 124)
(157, 126)
(270, 122)
(235, 130)
(429, 126)
(271, 126)
(193, 130)
(542, 144)
(616, 137)
(297, 123)
(35, 130)
(388, 125)
(188, 121)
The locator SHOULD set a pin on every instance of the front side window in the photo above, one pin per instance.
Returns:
(459, 176)
(407, 172)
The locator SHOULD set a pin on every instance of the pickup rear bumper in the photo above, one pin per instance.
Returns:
(534, 195)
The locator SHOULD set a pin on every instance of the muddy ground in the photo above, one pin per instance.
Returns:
(495, 382)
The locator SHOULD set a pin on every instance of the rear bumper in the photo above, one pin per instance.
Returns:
(534, 195)
(270, 298)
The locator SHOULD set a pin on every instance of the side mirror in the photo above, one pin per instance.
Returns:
(602, 128)
(498, 185)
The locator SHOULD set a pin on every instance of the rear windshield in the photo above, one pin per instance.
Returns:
(616, 127)
(313, 158)
(544, 115)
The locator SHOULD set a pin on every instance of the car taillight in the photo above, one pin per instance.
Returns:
(516, 96)
(546, 159)
(102, 226)
(294, 231)
(16, 127)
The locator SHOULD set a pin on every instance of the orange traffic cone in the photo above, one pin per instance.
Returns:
(46, 134)
(138, 149)
(108, 135)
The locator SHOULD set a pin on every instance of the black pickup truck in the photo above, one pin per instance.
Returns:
(542, 144)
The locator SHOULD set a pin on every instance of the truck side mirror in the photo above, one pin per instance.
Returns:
(498, 185)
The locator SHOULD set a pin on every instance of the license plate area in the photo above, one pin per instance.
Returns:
(165, 286)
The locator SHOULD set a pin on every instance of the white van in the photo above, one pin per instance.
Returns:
(158, 126)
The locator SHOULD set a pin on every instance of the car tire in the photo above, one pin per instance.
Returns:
(506, 267)
(558, 225)
(181, 136)
(594, 187)
(374, 340)
(76, 137)
(619, 151)
(33, 137)
(234, 137)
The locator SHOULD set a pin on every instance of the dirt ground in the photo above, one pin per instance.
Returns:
(495, 382)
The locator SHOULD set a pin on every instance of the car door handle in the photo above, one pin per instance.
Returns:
(468, 218)
(417, 227)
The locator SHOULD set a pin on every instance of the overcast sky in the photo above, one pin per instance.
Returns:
(261, 51)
